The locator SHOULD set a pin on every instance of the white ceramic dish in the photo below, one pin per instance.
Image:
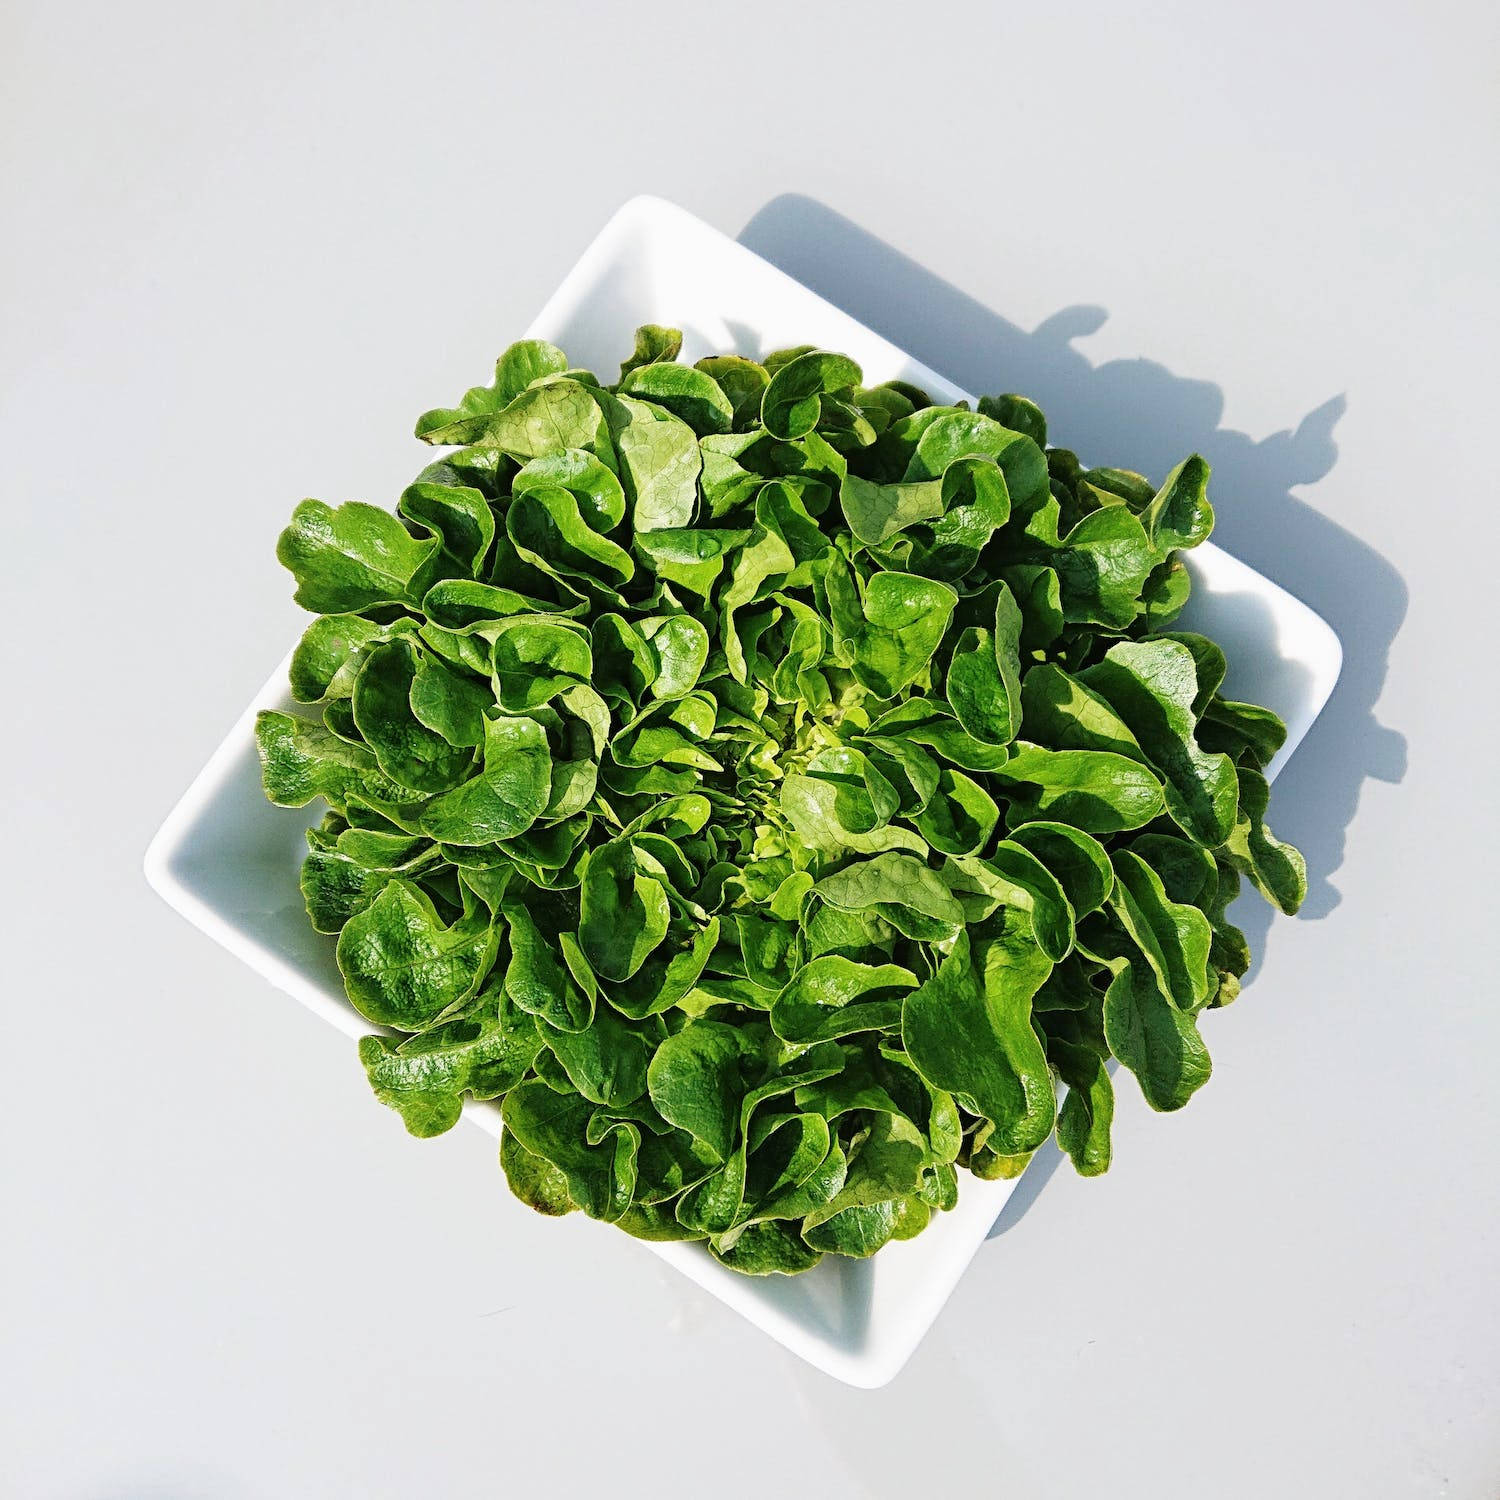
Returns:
(228, 861)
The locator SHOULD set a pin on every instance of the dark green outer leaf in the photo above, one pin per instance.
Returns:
(549, 418)
(334, 888)
(666, 977)
(529, 360)
(1173, 938)
(1087, 1111)
(1061, 712)
(1017, 878)
(742, 380)
(953, 435)
(659, 465)
(1276, 870)
(890, 633)
(483, 1054)
(624, 911)
(1017, 413)
(595, 486)
(1152, 1037)
(960, 817)
(533, 1179)
(968, 1031)
(1151, 686)
(1240, 728)
(689, 394)
(537, 981)
(403, 967)
(350, 558)
(449, 703)
(1102, 565)
(457, 515)
(549, 531)
(923, 722)
(302, 760)
(328, 654)
(821, 994)
(697, 1080)
(506, 797)
(889, 880)
(1179, 514)
(600, 1175)
(809, 805)
(769, 1249)
(405, 748)
(1094, 790)
(606, 1061)
(652, 343)
(1076, 859)
(1187, 870)
(1209, 665)
(792, 403)
(876, 512)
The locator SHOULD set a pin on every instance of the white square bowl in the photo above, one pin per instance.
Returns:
(228, 860)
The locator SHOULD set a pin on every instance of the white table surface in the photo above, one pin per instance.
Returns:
(241, 246)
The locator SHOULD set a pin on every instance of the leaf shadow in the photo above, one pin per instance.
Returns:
(1136, 413)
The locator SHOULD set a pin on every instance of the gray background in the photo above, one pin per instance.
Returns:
(243, 246)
